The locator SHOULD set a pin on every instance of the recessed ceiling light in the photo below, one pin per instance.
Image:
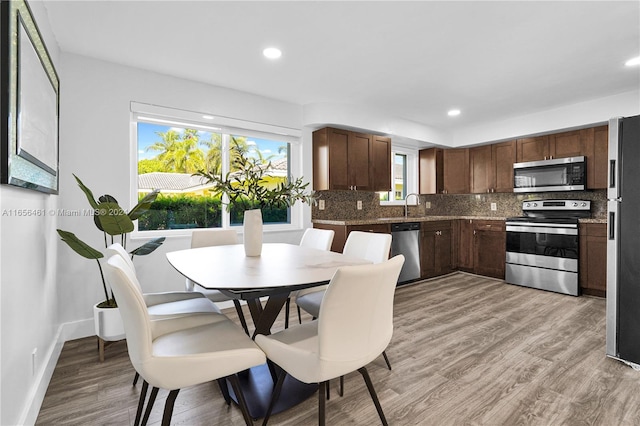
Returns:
(272, 52)
(208, 117)
(453, 112)
(633, 61)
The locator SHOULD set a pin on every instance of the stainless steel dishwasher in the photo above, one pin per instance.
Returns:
(406, 241)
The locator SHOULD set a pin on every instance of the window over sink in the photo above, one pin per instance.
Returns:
(404, 174)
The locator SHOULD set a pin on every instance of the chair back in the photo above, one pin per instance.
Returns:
(213, 237)
(117, 249)
(356, 314)
(320, 239)
(210, 237)
(133, 309)
(368, 245)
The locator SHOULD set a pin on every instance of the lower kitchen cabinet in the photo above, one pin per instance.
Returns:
(482, 247)
(593, 259)
(436, 248)
(341, 232)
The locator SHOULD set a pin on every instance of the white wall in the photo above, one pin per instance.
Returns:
(28, 291)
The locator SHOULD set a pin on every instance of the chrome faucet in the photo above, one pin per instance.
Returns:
(406, 207)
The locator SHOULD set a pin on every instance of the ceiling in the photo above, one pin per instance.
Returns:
(412, 60)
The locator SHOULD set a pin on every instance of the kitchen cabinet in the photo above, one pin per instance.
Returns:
(344, 159)
(436, 248)
(456, 171)
(489, 252)
(341, 232)
(532, 149)
(593, 259)
(482, 247)
(597, 154)
(567, 144)
(381, 152)
(430, 170)
(491, 167)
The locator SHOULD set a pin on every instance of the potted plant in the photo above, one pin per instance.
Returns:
(247, 189)
(113, 221)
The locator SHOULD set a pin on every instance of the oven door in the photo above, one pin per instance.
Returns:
(543, 255)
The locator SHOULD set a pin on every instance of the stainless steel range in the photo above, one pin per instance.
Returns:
(543, 245)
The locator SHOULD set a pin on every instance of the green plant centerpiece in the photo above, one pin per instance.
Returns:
(113, 221)
(246, 185)
(248, 190)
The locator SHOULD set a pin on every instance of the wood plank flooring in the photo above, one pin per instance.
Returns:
(466, 350)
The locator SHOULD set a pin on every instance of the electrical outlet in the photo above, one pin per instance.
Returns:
(494, 207)
(359, 204)
(321, 204)
(427, 204)
(34, 355)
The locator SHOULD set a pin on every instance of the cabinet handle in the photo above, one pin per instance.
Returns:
(474, 232)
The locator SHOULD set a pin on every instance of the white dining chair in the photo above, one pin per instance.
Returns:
(180, 352)
(354, 326)
(374, 247)
(215, 237)
(315, 238)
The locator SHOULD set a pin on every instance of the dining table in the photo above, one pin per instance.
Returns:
(265, 283)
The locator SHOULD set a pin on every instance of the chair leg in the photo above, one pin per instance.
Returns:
(321, 391)
(299, 315)
(274, 396)
(143, 395)
(372, 392)
(152, 400)
(286, 312)
(135, 379)
(341, 388)
(224, 390)
(328, 390)
(236, 303)
(168, 407)
(235, 384)
(386, 359)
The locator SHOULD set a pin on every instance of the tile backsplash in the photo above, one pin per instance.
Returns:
(342, 205)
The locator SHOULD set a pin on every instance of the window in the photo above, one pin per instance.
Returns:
(404, 176)
(169, 152)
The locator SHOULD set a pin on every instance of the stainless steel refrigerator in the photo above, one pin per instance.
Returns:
(623, 244)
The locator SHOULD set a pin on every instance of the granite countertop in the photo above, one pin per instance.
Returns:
(402, 219)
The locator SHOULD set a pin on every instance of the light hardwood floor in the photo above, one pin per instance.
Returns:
(466, 350)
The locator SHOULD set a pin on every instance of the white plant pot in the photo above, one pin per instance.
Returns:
(253, 232)
(108, 323)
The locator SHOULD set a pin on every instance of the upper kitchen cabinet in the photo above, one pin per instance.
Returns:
(567, 144)
(491, 167)
(456, 171)
(350, 160)
(430, 170)
(533, 149)
(597, 153)
(381, 147)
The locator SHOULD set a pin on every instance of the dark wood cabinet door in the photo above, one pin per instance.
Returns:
(490, 248)
(331, 159)
(382, 163)
(430, 169)
(444, 251)
(436, 250)
(456, 170)
(597, 153)
(465, 245)
(566, 144)
(593, 259)
(503, 156)
(533, 149)
(481, 169)
(360, 160)
(428, 266)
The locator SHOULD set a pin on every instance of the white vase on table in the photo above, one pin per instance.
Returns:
(253, 232)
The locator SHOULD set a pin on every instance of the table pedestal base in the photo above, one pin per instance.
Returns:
(257, 387)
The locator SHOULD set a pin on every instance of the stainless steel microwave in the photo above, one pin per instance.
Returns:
(559, 174)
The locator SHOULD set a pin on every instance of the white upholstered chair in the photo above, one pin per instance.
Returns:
(215, 237)
(374, 247)
(354, 326)
(320, 239)
(181, 351)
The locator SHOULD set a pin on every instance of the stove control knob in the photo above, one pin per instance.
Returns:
(527, 205)
(575, 204)
(584, 204)
(535, 204)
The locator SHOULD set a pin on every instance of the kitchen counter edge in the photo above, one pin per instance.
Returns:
(422, 219)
